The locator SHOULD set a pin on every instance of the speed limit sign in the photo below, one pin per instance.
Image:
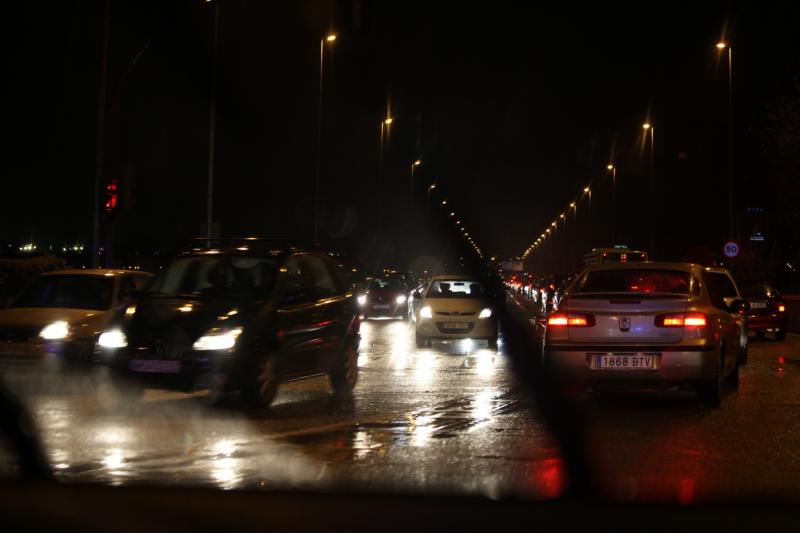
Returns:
(731, 249)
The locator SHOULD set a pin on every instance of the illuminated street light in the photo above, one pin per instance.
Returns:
(388, 121)
(646, 125)
(721, 45)
(330, 38)
(586, 189)
(444, 202)
(572, 204)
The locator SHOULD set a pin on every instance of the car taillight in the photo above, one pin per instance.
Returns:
(573, 320)
(781, 308)
(680, 320)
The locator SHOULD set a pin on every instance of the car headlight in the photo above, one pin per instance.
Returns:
(426, 312)
(400, 299)
(361, 299)
(55, 331)
(217, 339)
(485, 313)
(112, 339)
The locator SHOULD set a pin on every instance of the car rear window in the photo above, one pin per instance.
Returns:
(654, 281)
(757, 290)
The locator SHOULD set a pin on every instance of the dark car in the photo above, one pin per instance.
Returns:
(767, 309)
(242, 317)
(385, 297)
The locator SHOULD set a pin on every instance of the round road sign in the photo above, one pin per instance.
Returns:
(731, 249)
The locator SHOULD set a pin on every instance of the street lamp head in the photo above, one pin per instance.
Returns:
(610, 167)
(586, 189)
(418, 162)
(722, 44)
(388, 120)
(452, 213)
(444, 202)
(433, 186)
(330, 37)
(572, 204)
(561, 215)
(646, 125)
(553, 224)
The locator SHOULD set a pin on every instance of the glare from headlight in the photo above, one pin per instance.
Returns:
(426, 312)
(112, 339)
(361, 299)
(218, 340)
(400, 299)
(55, 331)
(485, 313)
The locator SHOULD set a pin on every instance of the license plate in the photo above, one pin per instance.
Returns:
(381, 306)
(610, 361)
(14, 350)
(455, 325)
(155, 366)
(758, 305)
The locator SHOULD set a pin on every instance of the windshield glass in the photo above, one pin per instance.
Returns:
(455, 288)
(394, 284)
(218, 275)
(633, 281)
(68, 291)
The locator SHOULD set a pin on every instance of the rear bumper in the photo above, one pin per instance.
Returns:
(674, 364)
(765, 322)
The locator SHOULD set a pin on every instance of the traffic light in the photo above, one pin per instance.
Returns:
(112, 196)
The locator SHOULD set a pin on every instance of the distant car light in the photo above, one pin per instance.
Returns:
(400, 299)
(112, 339)
(217, 340)
(362, 299)
(426, 312)
(55, 331)
(485, 313)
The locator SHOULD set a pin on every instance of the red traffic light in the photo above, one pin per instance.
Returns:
(112, 198)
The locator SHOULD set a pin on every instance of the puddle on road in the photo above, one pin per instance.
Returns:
(417, 429)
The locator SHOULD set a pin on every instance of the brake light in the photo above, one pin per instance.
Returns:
(679, 320)
(781, 308)
(697, 320)
(573, 320)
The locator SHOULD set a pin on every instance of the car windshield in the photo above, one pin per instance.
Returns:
(391, 284)
(633, 281)
(455, 288)
(216, 275)
(68, 291)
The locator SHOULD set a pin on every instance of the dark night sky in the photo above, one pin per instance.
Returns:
(514, 107)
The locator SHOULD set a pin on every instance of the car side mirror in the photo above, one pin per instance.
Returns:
(417, 295)
(739, 306)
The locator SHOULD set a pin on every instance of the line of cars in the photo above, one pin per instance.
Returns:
(239, 316)
(445, 307)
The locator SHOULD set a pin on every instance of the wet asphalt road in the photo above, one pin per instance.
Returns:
(451, 418)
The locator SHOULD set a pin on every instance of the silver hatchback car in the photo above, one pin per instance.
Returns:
(651, 323)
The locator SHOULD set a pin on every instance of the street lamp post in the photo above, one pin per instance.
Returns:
(414, 166)
(385, 123)
(613, 170)
(212, 119)
(721, 46)
(652, 130)
(101, 134)
(330, 38)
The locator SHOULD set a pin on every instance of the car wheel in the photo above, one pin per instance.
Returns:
(710, 392)
(780, 334)
(263, 383)
(344, 377)
(422, 342)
